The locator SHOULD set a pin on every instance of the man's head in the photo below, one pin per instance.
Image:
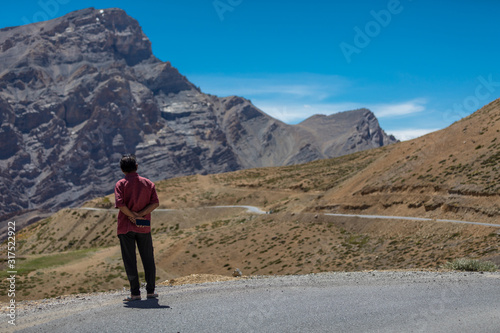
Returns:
(128, 163)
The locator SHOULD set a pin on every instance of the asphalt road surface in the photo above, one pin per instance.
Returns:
(326, 302)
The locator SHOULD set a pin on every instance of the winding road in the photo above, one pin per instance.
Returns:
(250, 209)
(257, 210)
(413, 219)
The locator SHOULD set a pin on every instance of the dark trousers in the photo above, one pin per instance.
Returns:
(145, 246)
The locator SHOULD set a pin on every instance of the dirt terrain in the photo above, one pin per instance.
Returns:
(195, 245)
(450, 174)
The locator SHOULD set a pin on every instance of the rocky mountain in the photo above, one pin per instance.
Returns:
(78, 91)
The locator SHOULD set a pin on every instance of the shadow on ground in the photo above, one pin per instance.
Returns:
(150, 303)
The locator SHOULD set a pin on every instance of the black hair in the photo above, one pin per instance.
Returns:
(128, 163)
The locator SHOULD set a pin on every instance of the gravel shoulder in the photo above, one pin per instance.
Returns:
(372, 301)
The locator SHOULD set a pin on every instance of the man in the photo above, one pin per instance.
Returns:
(136, 198)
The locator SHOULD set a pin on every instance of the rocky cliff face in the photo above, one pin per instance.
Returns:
(79, 91)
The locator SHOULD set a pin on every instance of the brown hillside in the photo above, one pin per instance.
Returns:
(452, 173)
(447, 174)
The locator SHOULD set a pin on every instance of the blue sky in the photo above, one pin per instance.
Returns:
(419, 65)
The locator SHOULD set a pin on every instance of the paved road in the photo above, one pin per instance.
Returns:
(327, 302)
(257, 210)
(412, 219)
(250, 209)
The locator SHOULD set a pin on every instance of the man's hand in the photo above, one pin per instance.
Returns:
(136, 216)
(132, 216)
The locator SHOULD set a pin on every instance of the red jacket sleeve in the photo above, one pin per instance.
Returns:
(154, 196)
(119, 199)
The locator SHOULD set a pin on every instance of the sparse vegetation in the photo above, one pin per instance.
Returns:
(42, 262)
(471, 265)
(453, 177)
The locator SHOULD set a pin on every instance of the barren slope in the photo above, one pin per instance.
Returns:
(448, 174)
(452, 173)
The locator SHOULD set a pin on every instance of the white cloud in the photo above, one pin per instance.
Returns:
(399, 109)
(292, 98)
(300, 86)
(411, 133)
(292, 113)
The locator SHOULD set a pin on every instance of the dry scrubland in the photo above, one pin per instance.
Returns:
(449, 174)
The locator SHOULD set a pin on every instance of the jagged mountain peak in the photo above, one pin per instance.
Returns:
(78, 91)
(89, 35)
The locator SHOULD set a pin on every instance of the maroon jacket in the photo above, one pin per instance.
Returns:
(136, 193)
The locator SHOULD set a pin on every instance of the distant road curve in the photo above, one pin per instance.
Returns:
(257, 210)
(250, 209)
(412, 219)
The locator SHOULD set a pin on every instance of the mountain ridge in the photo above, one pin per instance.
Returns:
(78, 91)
